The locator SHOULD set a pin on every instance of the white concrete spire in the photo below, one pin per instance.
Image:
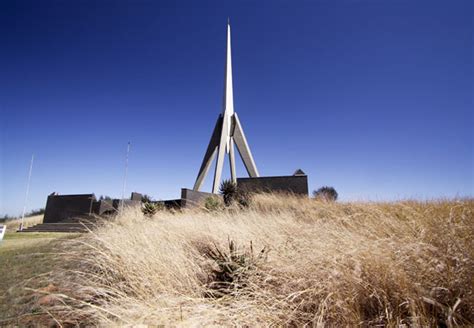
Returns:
(227, 132)
(228, 100)
(228, 103)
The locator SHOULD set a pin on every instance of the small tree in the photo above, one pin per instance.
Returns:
(326, 193)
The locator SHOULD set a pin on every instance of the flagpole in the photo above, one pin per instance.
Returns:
(125, 177)
(27, 193)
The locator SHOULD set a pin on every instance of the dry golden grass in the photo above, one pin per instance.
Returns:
(294, 262)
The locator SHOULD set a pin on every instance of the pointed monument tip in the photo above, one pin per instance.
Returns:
(228, 21)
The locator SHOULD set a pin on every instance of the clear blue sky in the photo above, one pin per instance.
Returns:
(372, 97)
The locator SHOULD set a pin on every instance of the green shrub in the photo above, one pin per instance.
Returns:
(212, 203)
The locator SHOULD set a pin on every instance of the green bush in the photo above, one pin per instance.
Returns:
(212, 203)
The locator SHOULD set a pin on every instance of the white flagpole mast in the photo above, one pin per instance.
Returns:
(27, 192)
(125, 177)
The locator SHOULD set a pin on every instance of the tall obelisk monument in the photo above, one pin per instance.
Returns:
(227, 132)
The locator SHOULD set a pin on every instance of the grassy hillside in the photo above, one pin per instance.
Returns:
(283, 261)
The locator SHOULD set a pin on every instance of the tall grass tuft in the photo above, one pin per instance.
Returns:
(283, 261)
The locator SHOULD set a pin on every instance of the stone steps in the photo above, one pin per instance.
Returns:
(60, 227)
(73, 224)
(82, 219)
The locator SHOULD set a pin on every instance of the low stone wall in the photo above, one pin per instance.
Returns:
(104, 206)
(174, 204)
(61, 207)
(294, 184)
(192, 198)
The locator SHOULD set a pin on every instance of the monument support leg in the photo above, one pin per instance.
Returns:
(220, 156)
(233, 175)
(210, 154)
(243, 148)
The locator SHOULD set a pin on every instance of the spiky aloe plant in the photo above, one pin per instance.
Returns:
(232, 268)
(149, 209)
(146, 198)
(228, 190)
